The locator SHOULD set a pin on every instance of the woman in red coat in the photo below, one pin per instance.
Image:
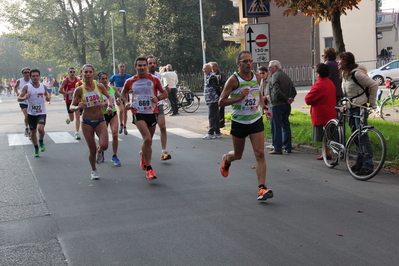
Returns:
(321, 98)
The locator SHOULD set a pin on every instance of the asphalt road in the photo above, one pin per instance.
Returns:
(52, 213)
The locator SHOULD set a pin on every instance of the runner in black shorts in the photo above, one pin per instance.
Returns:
(145, 88)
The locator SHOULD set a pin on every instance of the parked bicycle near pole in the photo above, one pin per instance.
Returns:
(388, 108)
(366, 143)
(186, 99)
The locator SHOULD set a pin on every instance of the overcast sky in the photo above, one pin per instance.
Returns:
(390, 4)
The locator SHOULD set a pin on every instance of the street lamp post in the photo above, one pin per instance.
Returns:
(202, 33)
(112, 34)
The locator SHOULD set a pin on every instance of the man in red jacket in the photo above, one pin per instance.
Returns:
(322, 100)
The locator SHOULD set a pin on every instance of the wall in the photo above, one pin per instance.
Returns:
(359, 31)
(289, 37)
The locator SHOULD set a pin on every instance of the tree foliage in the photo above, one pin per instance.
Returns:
(329, 10)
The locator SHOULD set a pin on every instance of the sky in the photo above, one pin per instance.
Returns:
(388, 4)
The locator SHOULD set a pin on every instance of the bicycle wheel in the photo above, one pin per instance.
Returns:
(369, 145)
(390, 108)
(190, 102)
(166, 106)
(332, 147)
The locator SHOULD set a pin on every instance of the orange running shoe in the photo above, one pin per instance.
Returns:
(264, 194)
(165, 156)
(142, 161)
(224, 168)
(150, 174)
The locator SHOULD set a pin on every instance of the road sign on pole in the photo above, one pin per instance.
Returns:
(256, 8)
(257, 42)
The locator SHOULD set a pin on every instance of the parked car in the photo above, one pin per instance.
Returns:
(389, 70)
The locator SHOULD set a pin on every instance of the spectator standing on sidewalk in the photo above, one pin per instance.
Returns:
(211, 99)
(282, 94)
(56, 86)
(170, 81)
(330, 56)
(221, 81)
(321, 98)
(264, 89)
(354, 83)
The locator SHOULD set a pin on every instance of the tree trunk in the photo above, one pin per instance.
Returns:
(337, 32)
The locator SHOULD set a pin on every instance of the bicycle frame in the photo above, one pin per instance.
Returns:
(364, 151)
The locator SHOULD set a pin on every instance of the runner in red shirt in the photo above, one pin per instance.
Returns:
(67, 88)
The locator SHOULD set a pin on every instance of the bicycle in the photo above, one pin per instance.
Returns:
(334, 149)
(186, 99)
(388, 106)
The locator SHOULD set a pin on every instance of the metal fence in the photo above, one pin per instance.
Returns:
(300, 75)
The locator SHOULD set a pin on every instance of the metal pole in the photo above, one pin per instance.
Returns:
(202, 33)
(313, 49)
(113, 45)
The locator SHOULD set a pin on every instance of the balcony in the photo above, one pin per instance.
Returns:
(233, 32)
(387, 20)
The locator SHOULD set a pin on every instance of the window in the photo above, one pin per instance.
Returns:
(329, 42)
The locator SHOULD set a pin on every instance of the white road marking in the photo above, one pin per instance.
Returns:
(18, 139)
(184, 133)
(61, 137)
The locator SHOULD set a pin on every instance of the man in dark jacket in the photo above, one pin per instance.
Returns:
(282, 94)
(221, 80)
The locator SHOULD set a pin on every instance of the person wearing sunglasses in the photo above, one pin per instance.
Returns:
(241, 91)
(17, 90)
(282, 94)
(67, 87)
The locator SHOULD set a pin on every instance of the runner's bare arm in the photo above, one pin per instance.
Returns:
(23, 95)
(231, 84)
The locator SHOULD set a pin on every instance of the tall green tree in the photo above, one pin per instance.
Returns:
(171, 31)
(329, 10)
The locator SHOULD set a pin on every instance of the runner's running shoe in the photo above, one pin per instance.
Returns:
(142, 161)
(116, 160)
(120, 129)
(77, 136)
(99, 157)
(264, 194)
(26, 132)
(218, 136)
(68, 121)
(103, 160)
(42, 147)
(165, 156)
(94, 175)
(224, 168)
(150, 174)
(36, 153)
(125, 131)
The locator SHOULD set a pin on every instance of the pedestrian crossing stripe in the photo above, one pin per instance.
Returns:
(257, 7)
(61, 137)
(66, 137)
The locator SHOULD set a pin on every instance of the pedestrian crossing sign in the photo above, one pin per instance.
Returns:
(256, 8)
